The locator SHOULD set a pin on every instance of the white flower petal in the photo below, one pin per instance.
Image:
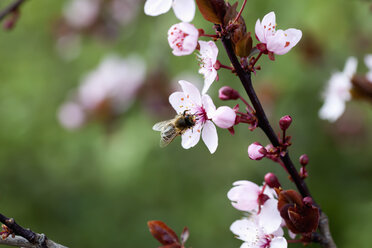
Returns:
(278, 242)
(289, 39)
(179, 102)
(245, 229)
(368, 61)
(259, 31)
(191, 92)
(208, 105)
(350, 67)
(191, 137)
(184, 9)
(157, 7)
(269, 218)
(268, 24)
(244, 195)
(209, 136)
(332, 109)
(209, 78)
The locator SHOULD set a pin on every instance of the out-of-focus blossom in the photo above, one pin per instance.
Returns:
(81, 13)
(256, 151)
(368, 62)
(184, 9)
(111, 88)
(208, 58)
(203, 107)
(123, 11)
(69, 46)
(276, 41)
(261, 230)
(224, 117)
(71, 115)
(338, 92)
(183, 38)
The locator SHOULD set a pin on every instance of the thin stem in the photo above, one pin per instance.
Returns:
(240, 12)
(256, 59)
(13, 6)
(263, 123)
(226, 67)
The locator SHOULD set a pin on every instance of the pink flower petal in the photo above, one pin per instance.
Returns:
(157, 7)
(244, 195)
(268, 24)
(210, 137)
(191, 137)
(191, 92)
(269, 218)
(209, 77)
(259, 31)
(285, 41)
(184, 9)
(224, 117)
(183, 38)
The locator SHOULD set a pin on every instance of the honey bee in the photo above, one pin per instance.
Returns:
(170, 129)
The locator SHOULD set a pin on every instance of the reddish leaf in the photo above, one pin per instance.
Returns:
(212, 10)
(231, 13)
(164, 234)
(185, 235)
(244, 46)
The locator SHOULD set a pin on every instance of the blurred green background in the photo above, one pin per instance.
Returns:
(87, 188)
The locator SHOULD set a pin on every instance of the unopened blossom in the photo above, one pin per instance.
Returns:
(208, 59)
(275, 41)
(203, 107)
(261, 230)
(246, 195)
(81, 13)
(184, 9)
(368, 62)
(337, 92)
(256, 151)
(224, 117)
(183, 38)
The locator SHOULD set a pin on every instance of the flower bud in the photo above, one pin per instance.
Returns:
(228, 93)
(271, 180)
(304, 159)
(224, 117)
(285, 122)
(308, 201)
(256, 151)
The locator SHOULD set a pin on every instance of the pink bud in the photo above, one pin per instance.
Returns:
(256, 151)
(308, 201)
(228, 93)
(224, 117)
(271, 180)
(304, 159)
(285, 122)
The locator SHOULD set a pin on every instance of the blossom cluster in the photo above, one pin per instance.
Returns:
(263, 226)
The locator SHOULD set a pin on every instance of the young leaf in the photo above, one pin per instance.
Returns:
(212, 10)
(164, 234)
(185, 235)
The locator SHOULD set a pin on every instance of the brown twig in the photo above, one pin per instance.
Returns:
(12, 7)
(33, 239)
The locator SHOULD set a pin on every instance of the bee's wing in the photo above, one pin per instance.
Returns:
(168, 134)
(161, 125)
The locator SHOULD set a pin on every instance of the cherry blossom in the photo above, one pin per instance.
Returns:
(261, 230)
(203, 107)
(246, 195)
(71, 115)
(338, 92)
(208, 58)
(368, 62)
(256, 151)
(275, 41)
(183, 38)
(184, 9)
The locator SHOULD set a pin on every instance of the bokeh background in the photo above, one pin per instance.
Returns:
(98, 185)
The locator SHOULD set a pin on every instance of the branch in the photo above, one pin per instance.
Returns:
(245, 77)
(13, 6)
(25, 237)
